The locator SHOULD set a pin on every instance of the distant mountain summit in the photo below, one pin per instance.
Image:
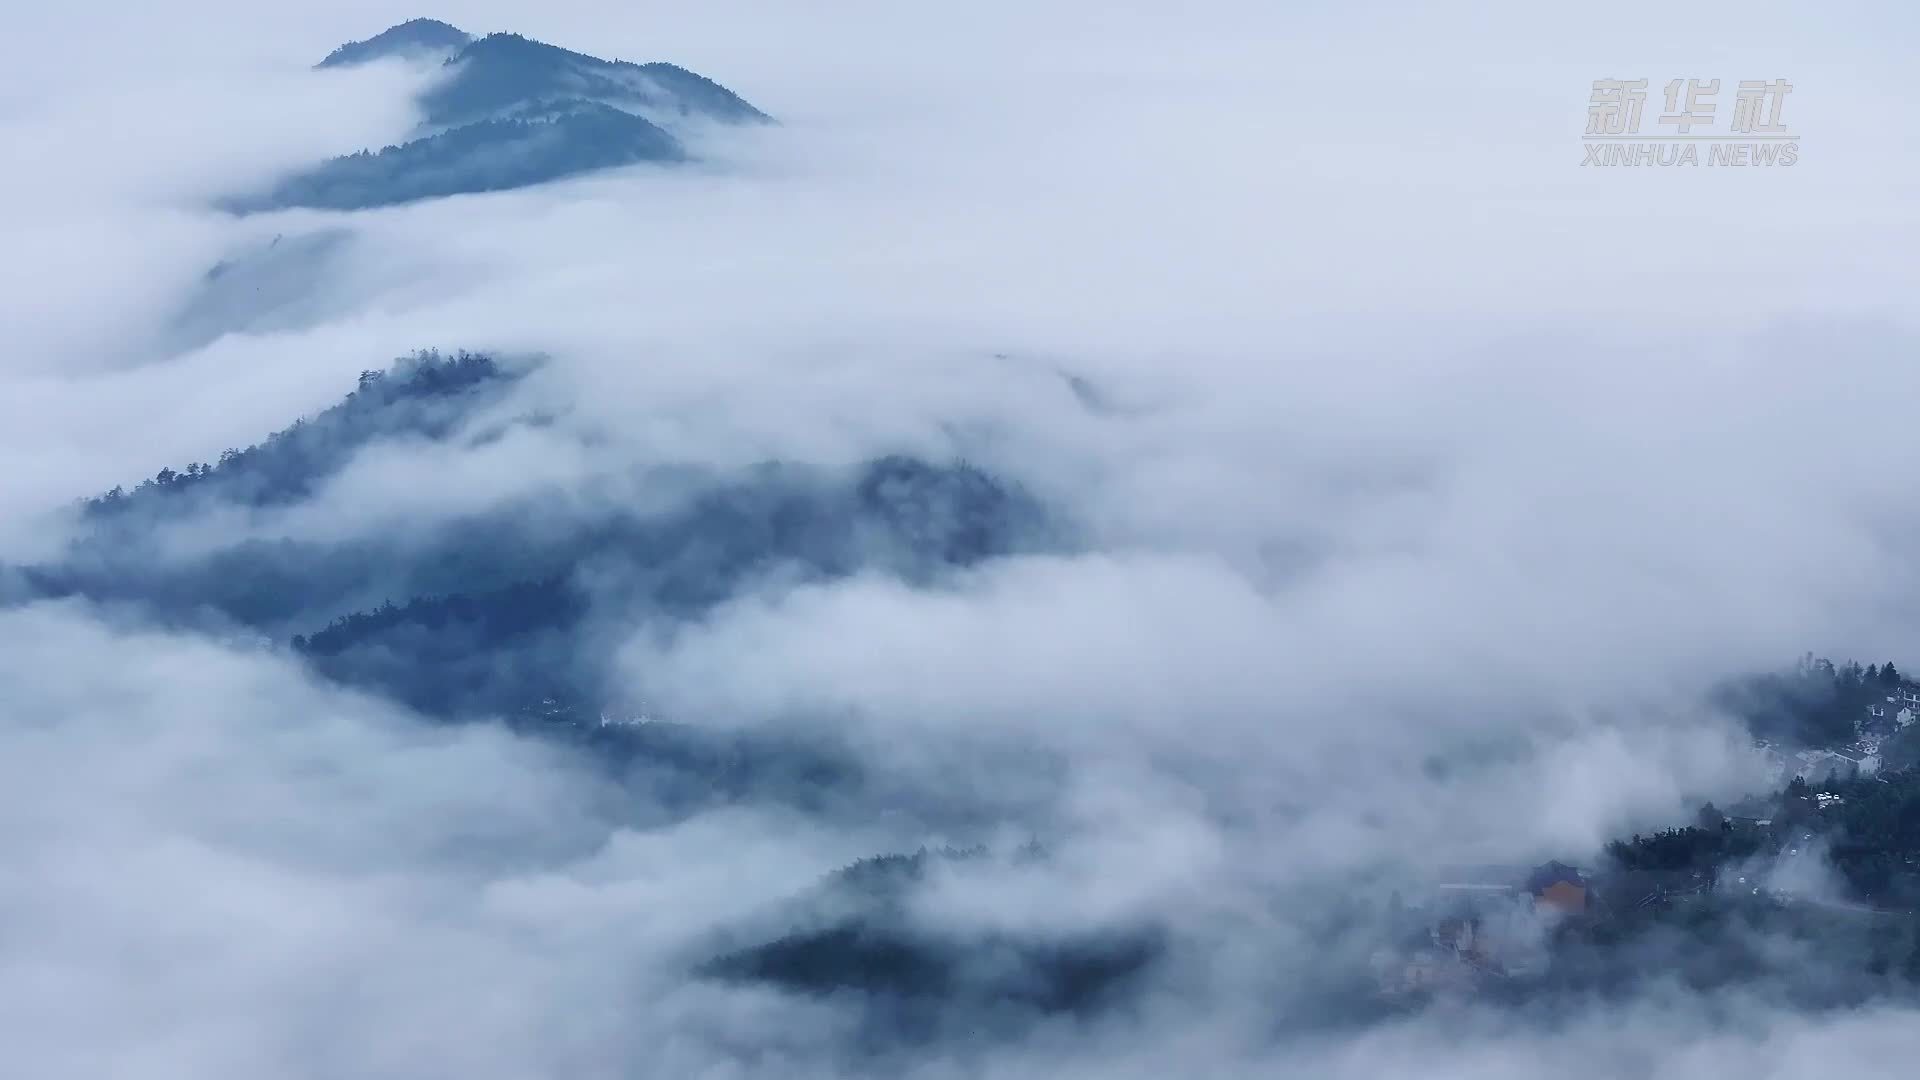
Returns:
(502, 72)
(510, 112)
(413, 39)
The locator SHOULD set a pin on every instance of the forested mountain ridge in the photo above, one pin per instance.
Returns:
(498, 608)
(425, 395)
(502, 648)
(486, 155)
(508, 112)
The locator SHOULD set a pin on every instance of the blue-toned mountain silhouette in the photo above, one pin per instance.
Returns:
(856, 936)
(488, 155)
(502, 73)
(509, 112)
(414, 39)
(495, 612)
(516, 610)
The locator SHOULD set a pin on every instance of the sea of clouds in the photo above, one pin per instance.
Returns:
(1387, 435)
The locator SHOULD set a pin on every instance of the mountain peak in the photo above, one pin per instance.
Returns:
(505, 49)
(508, 41)
(415, 37)
(505, 71)
(509, 111)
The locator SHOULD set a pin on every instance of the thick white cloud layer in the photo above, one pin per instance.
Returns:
(1397, 433)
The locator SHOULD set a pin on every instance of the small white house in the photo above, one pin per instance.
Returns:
(1817, 765)
(1866, 763)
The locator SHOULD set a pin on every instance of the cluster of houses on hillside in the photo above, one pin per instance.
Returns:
(1814, 766)
(1483, 926)
(1896, 713)
(1879, 722)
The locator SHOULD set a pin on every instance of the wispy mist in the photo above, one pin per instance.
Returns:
(1192, 475)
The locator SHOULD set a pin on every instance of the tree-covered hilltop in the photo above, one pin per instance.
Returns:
(502, 72)
(1816, 704)
(425, 396)
(509, 112)
(413, 39)
(856, 935)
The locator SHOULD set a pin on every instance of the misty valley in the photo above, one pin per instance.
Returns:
(1017, 543)
(509, 617)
